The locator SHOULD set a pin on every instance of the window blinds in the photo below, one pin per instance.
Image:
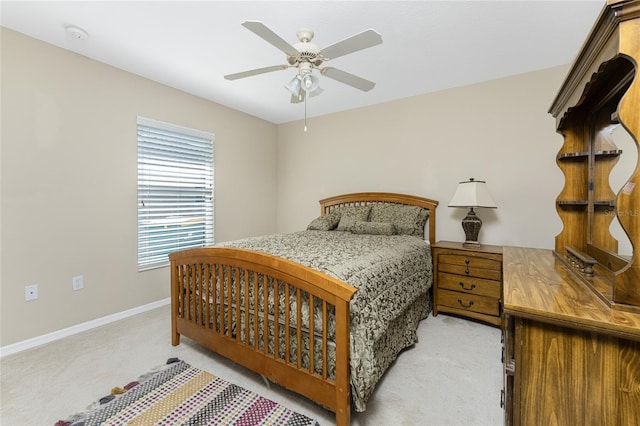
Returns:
(175, 191)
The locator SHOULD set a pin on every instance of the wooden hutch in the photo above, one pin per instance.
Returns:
(572, 315)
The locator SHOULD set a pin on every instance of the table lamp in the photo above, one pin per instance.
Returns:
(472, 194)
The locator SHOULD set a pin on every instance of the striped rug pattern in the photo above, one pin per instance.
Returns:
(179, 394)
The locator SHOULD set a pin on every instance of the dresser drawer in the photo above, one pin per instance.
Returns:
(468, 271)
(469, 285)
(469, 302)
(470, 261)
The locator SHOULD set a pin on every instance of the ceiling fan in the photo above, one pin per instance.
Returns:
(306, 56)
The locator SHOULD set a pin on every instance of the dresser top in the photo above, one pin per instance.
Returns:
(538, 286)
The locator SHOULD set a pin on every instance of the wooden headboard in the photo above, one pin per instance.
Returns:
(366, 198)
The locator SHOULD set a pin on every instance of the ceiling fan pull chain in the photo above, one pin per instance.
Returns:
(305, 113)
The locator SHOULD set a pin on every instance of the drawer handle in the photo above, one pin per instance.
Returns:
(465, 306)
(466, 261)
(466, 271)
(468, 289)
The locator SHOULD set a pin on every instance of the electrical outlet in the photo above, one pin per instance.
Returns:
(30, 292)
(77, 282)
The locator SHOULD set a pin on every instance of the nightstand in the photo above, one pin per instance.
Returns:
(468, 281)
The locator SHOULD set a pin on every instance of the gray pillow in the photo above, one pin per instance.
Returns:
(325, 222)
(408, 220)
(421, 222)
(352, 214)
(374, 228)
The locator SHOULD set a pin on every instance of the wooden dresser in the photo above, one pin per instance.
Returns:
(468, 281)
(572, 314)
(569, 358)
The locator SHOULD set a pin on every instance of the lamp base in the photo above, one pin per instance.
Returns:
(471, 225)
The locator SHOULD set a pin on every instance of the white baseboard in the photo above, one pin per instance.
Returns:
(65, 332)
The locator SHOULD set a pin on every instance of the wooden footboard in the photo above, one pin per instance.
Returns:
(254, 308)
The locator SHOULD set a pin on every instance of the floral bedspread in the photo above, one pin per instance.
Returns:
(392, 275)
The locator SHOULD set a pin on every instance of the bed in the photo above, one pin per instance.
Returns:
(323, 312)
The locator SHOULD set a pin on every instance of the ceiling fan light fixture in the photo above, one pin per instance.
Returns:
(294, 86)
(310, 83)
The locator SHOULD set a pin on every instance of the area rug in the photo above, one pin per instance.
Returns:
(179, 394)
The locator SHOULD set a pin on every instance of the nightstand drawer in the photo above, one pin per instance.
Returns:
(469, 302)
(468, 271)
(469, 285)
(470, 261)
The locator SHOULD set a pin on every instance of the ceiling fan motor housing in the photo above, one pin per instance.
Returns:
(307, 52)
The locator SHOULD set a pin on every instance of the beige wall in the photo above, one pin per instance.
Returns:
(498, 131)
(68, 176)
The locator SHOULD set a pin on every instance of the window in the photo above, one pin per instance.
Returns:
(175, 191)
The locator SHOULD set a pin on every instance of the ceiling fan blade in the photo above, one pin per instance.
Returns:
(295, 99)
(261, 30)
(354, 43)
(346, 78)
(255, 72)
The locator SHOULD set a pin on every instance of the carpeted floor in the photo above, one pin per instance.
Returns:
(452, 376)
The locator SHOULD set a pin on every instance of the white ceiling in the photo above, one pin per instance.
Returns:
(427, 45)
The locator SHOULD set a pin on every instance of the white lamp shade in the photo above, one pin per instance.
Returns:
(310, 83)
(294, 86)
(472, 193)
